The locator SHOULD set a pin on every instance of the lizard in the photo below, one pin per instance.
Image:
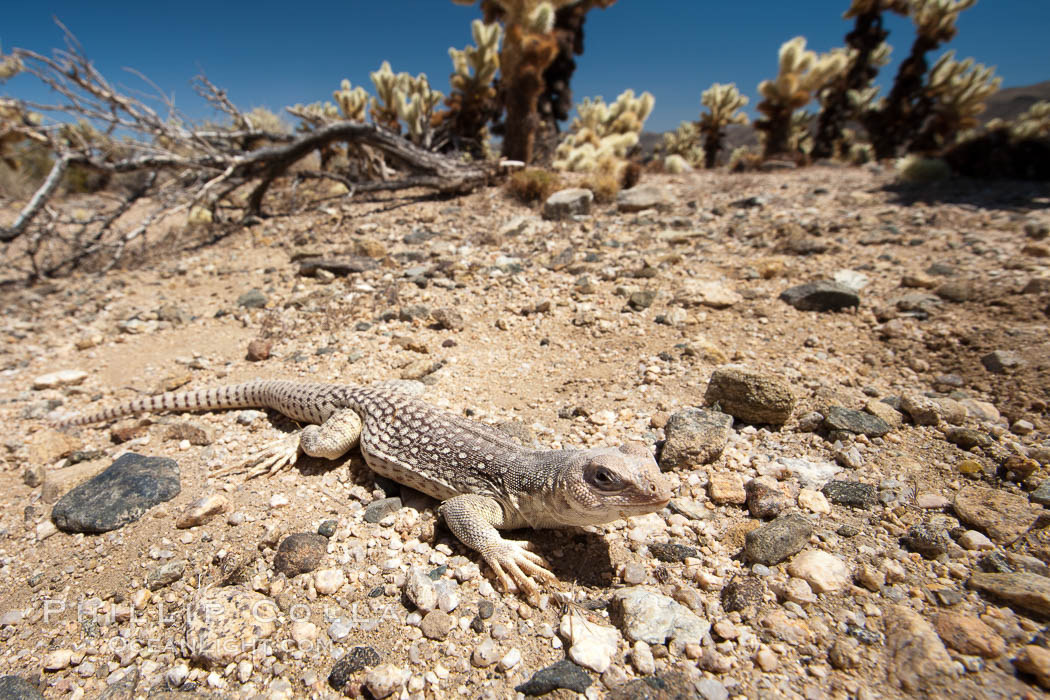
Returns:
(485, 481)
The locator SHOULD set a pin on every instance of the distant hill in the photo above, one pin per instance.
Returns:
(1008, 103)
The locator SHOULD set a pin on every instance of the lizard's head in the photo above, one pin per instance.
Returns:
(606, 483)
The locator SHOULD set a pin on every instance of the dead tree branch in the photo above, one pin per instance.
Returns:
(178, 165)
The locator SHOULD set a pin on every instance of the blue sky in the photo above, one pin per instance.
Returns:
(275, 54)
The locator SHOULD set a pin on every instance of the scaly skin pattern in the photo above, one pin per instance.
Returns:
(485, 480)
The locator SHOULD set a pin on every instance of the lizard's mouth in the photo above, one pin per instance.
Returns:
(643, 509)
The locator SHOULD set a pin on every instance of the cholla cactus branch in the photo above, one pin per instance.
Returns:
(936, 19)
(555, 102)
(9, 66)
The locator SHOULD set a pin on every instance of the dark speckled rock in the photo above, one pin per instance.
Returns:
(851, 493)
(839, 418)
(119, 495)
(820, 296)
(357, 659)
(300, 553)
(777, 540)
(563, 674)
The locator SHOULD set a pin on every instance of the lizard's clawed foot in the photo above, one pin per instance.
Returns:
(273, 458)
(515, 565)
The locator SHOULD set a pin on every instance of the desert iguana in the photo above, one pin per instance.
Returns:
(484, 479)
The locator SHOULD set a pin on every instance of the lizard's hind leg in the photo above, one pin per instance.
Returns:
(330, 440)
(335, 437)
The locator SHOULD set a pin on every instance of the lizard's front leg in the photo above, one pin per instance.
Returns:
(474, 519)
(330, 440)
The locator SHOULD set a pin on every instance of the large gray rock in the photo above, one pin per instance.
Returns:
(694, 436)
(566, 203)
(228, 622)
(712, 293)
(1019, 589)
(119, 495)
(850, 421)
(918, 661)
(750, 395)
(653, 618)
(650, 196)
(1001, 515)
(18, 688)
(820, 296)
(777, 540)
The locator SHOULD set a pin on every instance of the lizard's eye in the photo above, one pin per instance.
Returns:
(604, 479)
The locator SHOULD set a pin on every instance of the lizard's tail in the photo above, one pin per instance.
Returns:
(248, 395)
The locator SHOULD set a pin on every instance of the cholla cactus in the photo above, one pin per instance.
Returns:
(415, 106)
(676, 164)
(801, 74)
(16, 126)
(555, 101)
(683, 143)
(722, 102)
(858, 153)
(957, 91)
(1034, 123)
(603, 134)
(917, 170)
(801, 140)
(400, 97)
(850, 92)
(262, 119)
(529, 47)
(384, 105)
(742, 159)
(1017, 149)
(353, 103)
(904, 111)
(472, 103)
(475, 67)
(863, 7)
